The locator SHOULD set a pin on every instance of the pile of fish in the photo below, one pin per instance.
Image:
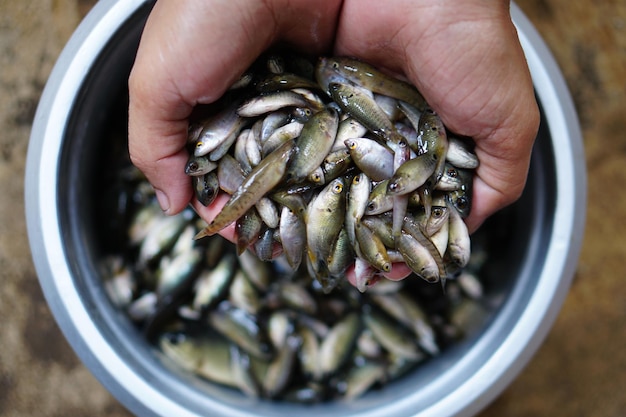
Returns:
(337, 164)
(341, 168)
(271, 331)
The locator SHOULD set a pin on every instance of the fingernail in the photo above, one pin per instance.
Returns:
(164, 202)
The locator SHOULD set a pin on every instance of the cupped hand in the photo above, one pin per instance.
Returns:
(465, 58)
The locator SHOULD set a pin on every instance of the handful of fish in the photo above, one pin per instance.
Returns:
(338, 164)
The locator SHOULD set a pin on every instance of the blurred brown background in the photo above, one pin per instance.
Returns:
(579, 371)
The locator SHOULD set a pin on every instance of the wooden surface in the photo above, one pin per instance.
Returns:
(580, 370)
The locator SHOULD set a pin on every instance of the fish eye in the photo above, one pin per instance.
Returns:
(452, 173)
(338, 188)
(462, 203)
(193, 166)
(437, 212)
(199, 144)
(356, 179)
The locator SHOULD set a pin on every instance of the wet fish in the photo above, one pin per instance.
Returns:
(325, 217)
(360, 104)
(222, 127)
(313, 144)
(371, 157)
(259, 182)
(334, 69)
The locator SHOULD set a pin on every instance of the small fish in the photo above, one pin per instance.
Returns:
(206, 188)
(336, 347)
(260, 105)
(461, 200)
(199, 165)
(292, 231)
(416, 231)
(296, 297)
(364, 274)
(392, 337)
(459, 244)
(273, 121)
(241, 366)
(230, 174)
(281, 135)
(313, 144)
(432, 139)
(295, 201)
(418, 258)
(212, 285)
(337, 69)
(363, 377)
(285, 81)
(281, 368)
(162, 236)
(360, 104)
(247, 230)
(412, 174)
(371, 157)
(381, 226)
(259, 182)
(242, 294)
(242, 329)
(460, 155)
(325, 218)
(372, 249)
(176, 272)
(264, 246)
(222, 127)
(357, 203)
(450, 179)
(379, 201)
(268, 212)
(348, 128)
(309, 353)
(341, 256)
(336, 163)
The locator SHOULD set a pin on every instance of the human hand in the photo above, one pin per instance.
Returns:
(190, 53)
(466, 61)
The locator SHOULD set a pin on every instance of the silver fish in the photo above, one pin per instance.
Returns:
(371, 157)
(199, 165)
(460, 155)
(259, 182)
(222, 127)
(325, 216)
(293, 236)
(273, 101)
(360, 104)
(459, 244)
(338, 69)
(313, 144)
(337, 345)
